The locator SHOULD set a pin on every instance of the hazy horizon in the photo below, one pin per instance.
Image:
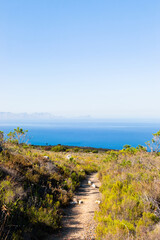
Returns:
(36, 117)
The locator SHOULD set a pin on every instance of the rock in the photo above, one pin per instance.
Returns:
(93, 185)
(73, 202)
(68, 157)
(89, 183)
(51, 167)
(98, 201)
(46, 157)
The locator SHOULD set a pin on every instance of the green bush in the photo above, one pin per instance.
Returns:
(58, 148)
(95, 151)
(75, 149)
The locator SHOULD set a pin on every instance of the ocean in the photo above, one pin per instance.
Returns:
(112, 135)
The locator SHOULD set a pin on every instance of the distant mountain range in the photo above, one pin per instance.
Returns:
(8, 116)
(48, 117)
(35, 117)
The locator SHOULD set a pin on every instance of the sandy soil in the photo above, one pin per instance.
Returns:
(78, 222)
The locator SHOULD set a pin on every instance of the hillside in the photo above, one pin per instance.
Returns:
(38, 183)
(34, 186)
(130, 207)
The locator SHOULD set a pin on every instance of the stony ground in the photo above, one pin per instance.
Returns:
(78, 222)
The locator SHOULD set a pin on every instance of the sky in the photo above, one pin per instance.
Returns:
(97, 58)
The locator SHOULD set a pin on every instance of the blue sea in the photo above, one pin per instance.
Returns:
(112, 135)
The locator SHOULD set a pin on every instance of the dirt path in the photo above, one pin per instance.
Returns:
(78, 221)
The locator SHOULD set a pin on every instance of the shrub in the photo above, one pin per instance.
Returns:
(75, 149)
(95, 151)
(58, 148)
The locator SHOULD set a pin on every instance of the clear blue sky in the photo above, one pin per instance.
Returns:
(80, 57)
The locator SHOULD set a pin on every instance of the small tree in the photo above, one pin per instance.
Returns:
(18, 136)
(154, 144)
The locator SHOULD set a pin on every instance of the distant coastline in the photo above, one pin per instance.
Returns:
(49, 147)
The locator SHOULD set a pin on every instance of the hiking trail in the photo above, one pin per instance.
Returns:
(78, 220)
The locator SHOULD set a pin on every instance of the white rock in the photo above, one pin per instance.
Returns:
(68, 157)
(80, 201)
(93, 185)
(46, 157)
(89, 183)
(97, 201)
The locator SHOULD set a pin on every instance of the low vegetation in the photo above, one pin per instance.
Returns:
(130, 207)
(37, 182)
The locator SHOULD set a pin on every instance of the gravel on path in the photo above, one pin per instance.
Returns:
(78, 221)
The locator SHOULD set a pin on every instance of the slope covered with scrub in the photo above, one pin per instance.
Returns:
(35, 183)
(130, 207)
